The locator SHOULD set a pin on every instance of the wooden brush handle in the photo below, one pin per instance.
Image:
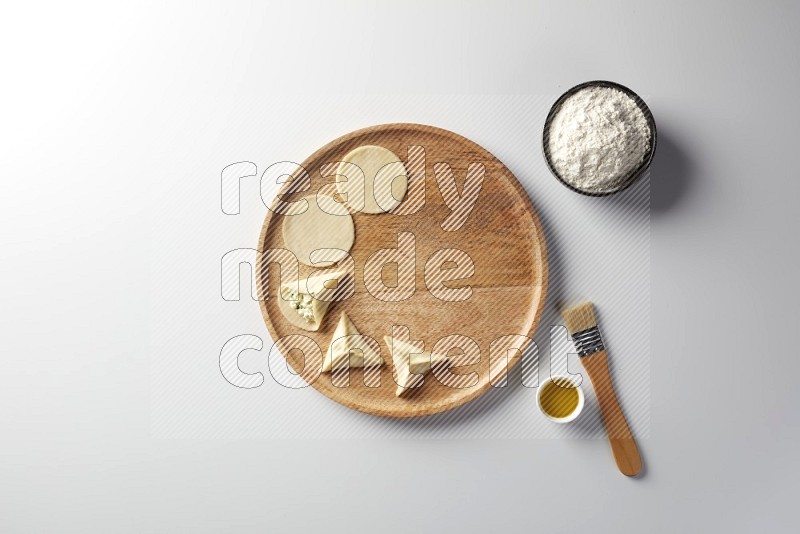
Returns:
(626, 453)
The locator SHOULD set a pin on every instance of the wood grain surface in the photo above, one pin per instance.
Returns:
(503, 236)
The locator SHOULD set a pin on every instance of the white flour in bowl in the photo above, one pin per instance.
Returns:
(597, 137)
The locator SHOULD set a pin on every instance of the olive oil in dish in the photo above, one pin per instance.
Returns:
(559, 398)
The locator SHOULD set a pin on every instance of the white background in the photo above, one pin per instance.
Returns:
(110, 114)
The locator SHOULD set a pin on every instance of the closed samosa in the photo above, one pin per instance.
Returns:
(348, 344)
(410, 365)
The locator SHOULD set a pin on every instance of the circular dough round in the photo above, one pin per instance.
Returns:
(315, 229)
(382, 186)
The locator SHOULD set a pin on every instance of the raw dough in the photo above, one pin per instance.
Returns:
(307, 309)
(345, 339)
(383, 185)
(410, 367)
(315, 229)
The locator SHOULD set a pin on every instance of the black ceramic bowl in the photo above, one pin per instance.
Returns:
(636, 173)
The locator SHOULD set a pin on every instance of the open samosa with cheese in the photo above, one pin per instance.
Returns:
(349, 348)
(304, 304)
(410, 364)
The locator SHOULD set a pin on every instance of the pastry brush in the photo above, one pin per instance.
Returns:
(582, 326)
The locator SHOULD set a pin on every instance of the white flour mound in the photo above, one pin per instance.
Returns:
(597, 137)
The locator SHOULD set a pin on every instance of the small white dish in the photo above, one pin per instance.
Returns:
(578, 409)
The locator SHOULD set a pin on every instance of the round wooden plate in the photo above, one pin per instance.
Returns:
(503, 236)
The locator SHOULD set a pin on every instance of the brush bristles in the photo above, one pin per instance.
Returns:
(579, 317)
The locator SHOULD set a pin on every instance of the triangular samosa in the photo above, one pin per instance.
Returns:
(345, 339)
(410, 367)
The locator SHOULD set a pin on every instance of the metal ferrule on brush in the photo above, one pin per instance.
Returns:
(588, 341)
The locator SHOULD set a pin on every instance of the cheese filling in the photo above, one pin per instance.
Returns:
(301, 303)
